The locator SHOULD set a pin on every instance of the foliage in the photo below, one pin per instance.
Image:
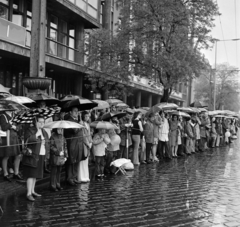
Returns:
(159, 40)
(227, 88)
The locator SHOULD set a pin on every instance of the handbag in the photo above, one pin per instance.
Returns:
(26, 150)
(58, 160)
(31, 161)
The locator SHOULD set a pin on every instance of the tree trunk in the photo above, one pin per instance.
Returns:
(166, 94)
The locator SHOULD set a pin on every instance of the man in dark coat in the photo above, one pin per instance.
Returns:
(74, 139)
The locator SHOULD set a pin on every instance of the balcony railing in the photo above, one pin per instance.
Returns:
(12, 32)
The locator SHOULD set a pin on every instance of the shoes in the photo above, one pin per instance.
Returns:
(17, 177)
(7, 178)
(59, 188)
(149, 162)
(77, 182)
(30, 198)
(71, 183)
(98, 176)
(156, 159)
(36, 194)
(53, 189)
(143, 162)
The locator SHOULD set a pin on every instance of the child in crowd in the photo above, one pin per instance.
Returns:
(100, 142)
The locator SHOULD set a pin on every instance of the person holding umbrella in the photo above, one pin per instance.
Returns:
(58, 153)
(75, 139)
(7, 126)
(36, 139)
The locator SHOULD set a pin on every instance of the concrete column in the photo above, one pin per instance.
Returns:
(106, 18)
(78, 81)
(150, 100)
(138, 98)
(158, 99)
(125, 98)
(105, 95)
(37, 54)
(79, 56)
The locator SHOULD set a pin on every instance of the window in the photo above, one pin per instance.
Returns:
(29, 24)
(17, 16)
(71, 42)
(4, 9)
(53, 35)
(62, 50)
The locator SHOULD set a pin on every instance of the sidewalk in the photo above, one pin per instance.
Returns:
(19, 187)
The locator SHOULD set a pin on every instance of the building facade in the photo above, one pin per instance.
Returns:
(43, 38)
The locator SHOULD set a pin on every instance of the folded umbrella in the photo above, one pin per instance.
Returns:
(80, 103)
(63, 124)
(109, 115)
(103, 125)
(101, 105)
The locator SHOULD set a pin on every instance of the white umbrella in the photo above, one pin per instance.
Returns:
(124, 105)
(179, 113)
(63, 124)
(103, 125)
(101, 105)
(20, 99)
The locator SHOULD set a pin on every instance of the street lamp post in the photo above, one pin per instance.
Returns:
(214, 85)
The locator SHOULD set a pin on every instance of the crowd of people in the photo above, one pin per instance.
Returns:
(143, 138)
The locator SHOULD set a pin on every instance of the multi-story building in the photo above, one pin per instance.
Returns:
(43, 38)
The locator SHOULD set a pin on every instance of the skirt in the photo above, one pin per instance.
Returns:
(9, 151)
(30, 172)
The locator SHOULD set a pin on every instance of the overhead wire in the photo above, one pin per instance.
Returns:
(223, 39)
(236, 31)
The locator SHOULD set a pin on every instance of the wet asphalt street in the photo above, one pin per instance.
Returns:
(199, 190)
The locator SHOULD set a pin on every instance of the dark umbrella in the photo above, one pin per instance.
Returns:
(7, 105)
(80, 103)
(68, 98)
(109, 115)
(49, 100)
(197, 104)
(29, 116)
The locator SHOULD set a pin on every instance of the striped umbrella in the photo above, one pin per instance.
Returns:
(29, 116)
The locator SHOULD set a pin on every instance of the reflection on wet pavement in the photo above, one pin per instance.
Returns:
(200, 190)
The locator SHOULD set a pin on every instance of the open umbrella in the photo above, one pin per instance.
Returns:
(4, 91)
(187, 110)
(179, 113)
(143, 111)
(109, 115)
(29, 116)
(103, 125)
(197, 104)
(202, 110)
(101, 105)
(62, 124)
(122, 105)
(68, 98)
(113, 101)
(80, 103)
(164, 106)
(7, 105)
(49, 100)
(19, 99)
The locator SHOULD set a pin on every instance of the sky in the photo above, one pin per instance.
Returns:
(227, 26)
